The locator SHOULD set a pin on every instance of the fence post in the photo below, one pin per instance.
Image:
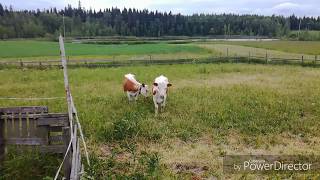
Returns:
(67, 163)
(266, 57)
(302, 59)
(21, 63)
(2, 143)
(315, 59)
(150, 58)
(249, 57)
(228, 53)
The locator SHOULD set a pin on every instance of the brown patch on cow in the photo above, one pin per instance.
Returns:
(130, 86)
(154, 92)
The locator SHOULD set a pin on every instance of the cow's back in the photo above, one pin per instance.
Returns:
(128, 85)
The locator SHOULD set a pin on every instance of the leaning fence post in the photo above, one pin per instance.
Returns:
(2, 143)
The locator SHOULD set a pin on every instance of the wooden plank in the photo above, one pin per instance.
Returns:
(26, 141)
(2, 144)
(55, 128)
(32, 128)
(33, 116)
(56, 139)
(59, 149)
(67, 163)
(54, 121)
(25, 109)
(66, 83)
(73, 175)
(12, 127)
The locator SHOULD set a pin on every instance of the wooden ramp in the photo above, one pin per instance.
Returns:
(36, 128)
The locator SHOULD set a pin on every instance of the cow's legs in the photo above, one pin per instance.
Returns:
(163, 105)
(129, 96)
(156, 107)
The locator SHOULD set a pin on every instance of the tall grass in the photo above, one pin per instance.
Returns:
(212, 100)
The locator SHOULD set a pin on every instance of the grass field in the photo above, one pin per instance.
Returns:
(295, 47)
(43, 50)
(212, 111)
(50, 50)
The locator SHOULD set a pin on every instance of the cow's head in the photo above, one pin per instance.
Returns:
(144, 90)
(161, 89)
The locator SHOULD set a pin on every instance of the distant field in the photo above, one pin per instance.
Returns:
(159, 50)
(218, 110)
(297, 47)
(50, 50)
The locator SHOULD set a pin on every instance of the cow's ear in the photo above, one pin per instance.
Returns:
(155, 84)
(143, 85)
(169, 85)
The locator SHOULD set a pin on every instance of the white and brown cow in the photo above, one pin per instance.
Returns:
(159, 91)
(133, 88)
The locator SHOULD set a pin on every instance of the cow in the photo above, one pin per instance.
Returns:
(159, 91)
(133, 88)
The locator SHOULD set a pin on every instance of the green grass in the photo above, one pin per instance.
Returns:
(46, 50)
(212, 110)
(297, 47)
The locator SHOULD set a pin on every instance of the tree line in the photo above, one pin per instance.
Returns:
(133, 22)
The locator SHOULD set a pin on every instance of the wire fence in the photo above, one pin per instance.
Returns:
(307, 60)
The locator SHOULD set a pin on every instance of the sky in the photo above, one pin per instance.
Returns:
(186, 7)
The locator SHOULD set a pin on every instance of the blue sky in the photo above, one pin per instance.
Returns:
(262, 7)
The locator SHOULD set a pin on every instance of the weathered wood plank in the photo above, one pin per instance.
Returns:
(33, 116)
(56, 139)
(67, 163)
(30, 109)
(26, 141)
(2, 144)
(53, 121)
(55, 129)
(59, 149)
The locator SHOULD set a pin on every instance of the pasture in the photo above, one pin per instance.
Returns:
(28, 50)
(213, 110)
(45, 50)
(293, 47)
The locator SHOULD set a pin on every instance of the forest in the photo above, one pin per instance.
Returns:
(79, 21)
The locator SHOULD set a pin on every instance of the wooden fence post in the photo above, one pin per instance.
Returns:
(302, 59)
(315, 59)
(2, 143)
(66, 141)
(21, 63)
(249, 57)
(266, 57)
(150, 58)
